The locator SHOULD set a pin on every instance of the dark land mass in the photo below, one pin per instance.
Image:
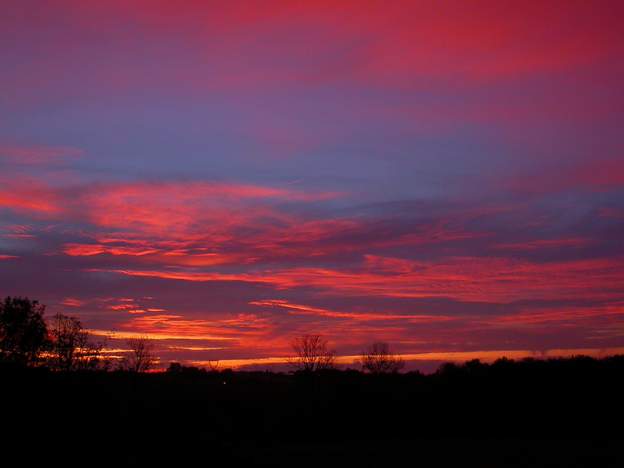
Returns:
(531, 413)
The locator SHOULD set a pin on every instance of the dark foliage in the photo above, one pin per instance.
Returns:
(530, 413)
(23, 331)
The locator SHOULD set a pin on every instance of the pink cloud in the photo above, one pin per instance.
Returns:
(483, 40)
(151, 207)
(30, 196)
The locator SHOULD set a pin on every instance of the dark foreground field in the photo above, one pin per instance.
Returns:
(558, 413)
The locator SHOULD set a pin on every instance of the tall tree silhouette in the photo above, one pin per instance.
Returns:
(312, 353)
(23, 331)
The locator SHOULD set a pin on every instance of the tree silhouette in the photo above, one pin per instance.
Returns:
(72, 346)
(23, 331)
(379, 359)
(312, 354)
(141, 357)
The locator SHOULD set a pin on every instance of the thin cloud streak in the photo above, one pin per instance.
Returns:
(298, 309)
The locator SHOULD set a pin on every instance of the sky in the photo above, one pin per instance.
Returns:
(221, 177)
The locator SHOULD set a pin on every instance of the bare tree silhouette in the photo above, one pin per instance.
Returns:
(72, 346)
(379, 359)
(312, 354)
(141, 357)
(23, 331)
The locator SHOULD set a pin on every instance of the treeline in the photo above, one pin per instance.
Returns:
(537, 413)
(529, 413)
(28, 339)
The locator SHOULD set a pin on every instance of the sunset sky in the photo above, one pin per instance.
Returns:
(223, 176)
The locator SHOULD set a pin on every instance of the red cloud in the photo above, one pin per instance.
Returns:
(280, 45)
(171, 326)
(170, 207)
(87, 250)
(408, 41)
(30, 196)
(255, 235)
(157, 206)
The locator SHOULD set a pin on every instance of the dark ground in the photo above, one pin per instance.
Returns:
(558, 413)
